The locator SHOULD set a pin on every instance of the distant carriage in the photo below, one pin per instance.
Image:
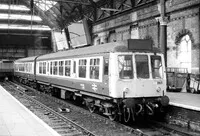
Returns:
(6, 69)
(120, 79)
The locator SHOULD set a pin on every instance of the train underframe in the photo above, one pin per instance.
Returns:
(121, 109)
(127, 109)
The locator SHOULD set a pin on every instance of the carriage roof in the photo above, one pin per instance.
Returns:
(27, 59)
(120, 46)
(98, 49)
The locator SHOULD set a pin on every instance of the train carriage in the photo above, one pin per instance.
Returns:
(83, 69)
(6, 69)
(24, 69)
(120, 79)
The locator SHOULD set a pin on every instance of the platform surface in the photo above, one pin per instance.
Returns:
(17, 120)
(185, 100)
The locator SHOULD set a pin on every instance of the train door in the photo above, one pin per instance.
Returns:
(74, 68)
(106, 71)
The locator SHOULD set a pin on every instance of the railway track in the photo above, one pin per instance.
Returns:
(74, 121)
(58, 122)
(68, 119)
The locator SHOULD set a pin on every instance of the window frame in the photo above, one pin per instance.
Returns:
(61, 66)
(94, 66)
(149, 66)
(153, 57)
(85, 65)
(72, 60)
(132, 67)
(69, 66)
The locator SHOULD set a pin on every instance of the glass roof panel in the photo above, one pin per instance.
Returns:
(25, 27)
(14, 7)
(44, 4)
(19, 17)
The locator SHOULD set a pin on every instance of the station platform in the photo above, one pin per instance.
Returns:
(184, 100)
(17, 120)
(184, 110)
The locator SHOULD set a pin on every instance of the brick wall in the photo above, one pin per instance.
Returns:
(183, 18)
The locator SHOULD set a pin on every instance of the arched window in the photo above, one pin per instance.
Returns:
(184, 52)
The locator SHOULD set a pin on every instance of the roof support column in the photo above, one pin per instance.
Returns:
(163, 29)
(53, 44)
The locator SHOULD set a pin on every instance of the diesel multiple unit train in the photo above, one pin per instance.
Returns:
(122, 79)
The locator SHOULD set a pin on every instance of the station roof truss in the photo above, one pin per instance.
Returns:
(58, 14)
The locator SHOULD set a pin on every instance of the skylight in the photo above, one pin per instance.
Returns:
(19, 17)
(44, 4)
(25, 27)
(14, 7)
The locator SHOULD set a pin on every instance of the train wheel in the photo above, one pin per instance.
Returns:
(113, 114)
(90, 106)
(127, 114)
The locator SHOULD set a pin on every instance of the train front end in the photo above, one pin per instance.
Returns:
(139, 80)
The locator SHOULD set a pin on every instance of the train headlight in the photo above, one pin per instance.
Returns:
(158, 89)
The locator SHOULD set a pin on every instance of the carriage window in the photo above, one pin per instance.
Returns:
(82, 68)
(28, 68)
(26, 65)
(94, 68)
(106, 65)
(31, 67)
(125, 66)
(21, 67)
(68, 68)
(51, 68)
(55, 68)
(142, 66)
(40, 67)
(156, 65)
(74, 67)
(48, 67)
(44, 67)
(61, 64)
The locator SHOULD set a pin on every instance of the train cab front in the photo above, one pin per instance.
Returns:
(141, 83)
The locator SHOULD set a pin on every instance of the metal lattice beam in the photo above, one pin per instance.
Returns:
(84, 2)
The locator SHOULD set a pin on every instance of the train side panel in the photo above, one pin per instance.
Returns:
(24, 69)
(88, 85)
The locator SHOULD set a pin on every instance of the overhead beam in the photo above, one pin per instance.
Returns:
(46, 19)
(109, 9)
(84, 2)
